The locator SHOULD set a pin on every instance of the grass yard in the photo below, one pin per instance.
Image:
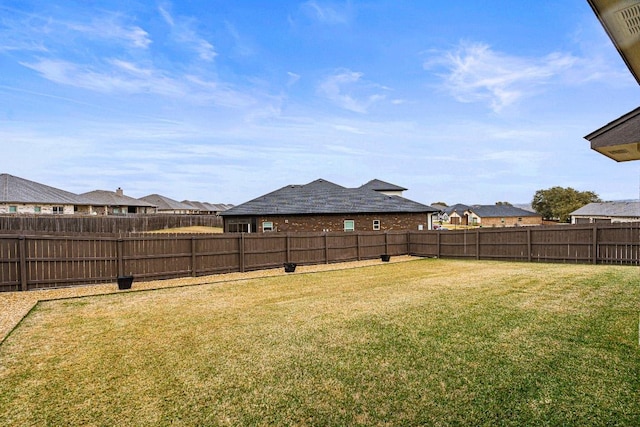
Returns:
(191, 229)
(427, 342)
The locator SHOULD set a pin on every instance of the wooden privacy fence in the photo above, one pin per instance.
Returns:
(103, 224)
(36, 261)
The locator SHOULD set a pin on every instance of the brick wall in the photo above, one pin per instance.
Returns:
(510, 221)
(363, 222)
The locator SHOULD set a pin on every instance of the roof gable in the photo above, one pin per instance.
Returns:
(378, 185)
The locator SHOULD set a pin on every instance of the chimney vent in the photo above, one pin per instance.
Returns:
(119, 192)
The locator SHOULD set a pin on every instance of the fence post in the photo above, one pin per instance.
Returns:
(241, 260)
(326, 248)
(477, 243)
(23, 263)
(438, 243)
(529, 249)
(594, 243)
(408, 242)
(194, 268)
(358, 246)
(386, 242)
(288, 247)
(120, 250)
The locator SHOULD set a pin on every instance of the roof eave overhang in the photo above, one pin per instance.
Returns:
(620, 139)
(625, 37)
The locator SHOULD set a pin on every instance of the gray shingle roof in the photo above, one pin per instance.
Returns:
(459, 208)
(490, 211)
(500, 211)
(610, 209)
(111, 198)
(166, 203)
(20, 190)
(378, 185)
(324, 197)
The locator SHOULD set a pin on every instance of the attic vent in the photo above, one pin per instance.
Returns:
(631, 19)
(621, 151)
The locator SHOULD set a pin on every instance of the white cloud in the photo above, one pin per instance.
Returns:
(111, 30)
(293, 78)
(183, 32)
(325, 13)
(122, 76)
(476, 73)
(346, 89)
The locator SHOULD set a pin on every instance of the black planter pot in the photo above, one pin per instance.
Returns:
(385, 257)
(289, 267)
(124, 282)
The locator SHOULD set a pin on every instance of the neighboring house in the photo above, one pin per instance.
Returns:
(205, 208)
(116, 203)
(324, 206)
(455, 214)
(21, 196)
(441, 215)
(166, 205)
(501, 216)
(607, 212)
(491, 215)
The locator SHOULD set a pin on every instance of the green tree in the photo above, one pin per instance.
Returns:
(558, 202)
(503, 204)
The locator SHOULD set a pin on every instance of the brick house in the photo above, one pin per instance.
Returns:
(22, 196)
(323, 206)
(492, 216)
(116, 203)
(501, 216)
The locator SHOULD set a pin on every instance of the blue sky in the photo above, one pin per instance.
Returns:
(223, 101)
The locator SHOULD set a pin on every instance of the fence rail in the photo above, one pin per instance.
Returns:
(32, 261)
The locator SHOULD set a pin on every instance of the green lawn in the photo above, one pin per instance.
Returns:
(427, 342)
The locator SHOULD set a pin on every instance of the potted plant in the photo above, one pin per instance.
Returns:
(124, 282)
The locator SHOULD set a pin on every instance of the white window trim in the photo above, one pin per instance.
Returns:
(376, 224)
(352, 223)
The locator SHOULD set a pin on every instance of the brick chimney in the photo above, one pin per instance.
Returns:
(119, 192)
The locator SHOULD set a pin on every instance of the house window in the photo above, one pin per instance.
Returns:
(519, 219)
(239, 227)
(376, 224)
(37, 209)
(349, 225)
(13, 209)
(502, 220)
(267, 226)
(58, 210)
